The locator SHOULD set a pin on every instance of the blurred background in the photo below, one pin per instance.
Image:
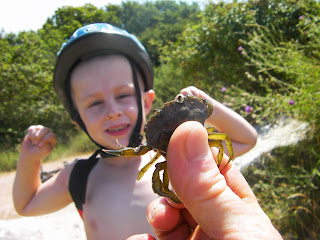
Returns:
(260, 58)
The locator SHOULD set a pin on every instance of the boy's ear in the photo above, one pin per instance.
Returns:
(148, 97)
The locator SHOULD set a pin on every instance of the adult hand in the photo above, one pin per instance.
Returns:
(219, 203)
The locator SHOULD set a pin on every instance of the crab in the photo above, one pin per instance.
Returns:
(158, 131)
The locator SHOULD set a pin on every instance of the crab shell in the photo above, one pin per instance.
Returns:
(164, 121)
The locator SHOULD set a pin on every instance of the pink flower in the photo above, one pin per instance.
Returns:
(240, 48)
(291, 102)
(301, 17)
(223, 89)
(248, 109)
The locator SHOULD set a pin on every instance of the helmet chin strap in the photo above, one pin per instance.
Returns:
(136, 137)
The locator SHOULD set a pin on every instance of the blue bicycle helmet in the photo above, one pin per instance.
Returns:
(100, 39)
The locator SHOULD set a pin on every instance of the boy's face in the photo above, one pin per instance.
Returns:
(103, 92)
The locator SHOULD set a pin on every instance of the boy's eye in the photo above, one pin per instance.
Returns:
(124, 96)
(95, 103)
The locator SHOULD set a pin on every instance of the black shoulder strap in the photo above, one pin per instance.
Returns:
(79, 178)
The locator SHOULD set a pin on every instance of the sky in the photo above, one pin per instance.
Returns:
(25, 15)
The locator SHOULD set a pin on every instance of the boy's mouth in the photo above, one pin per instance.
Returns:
(118, 130)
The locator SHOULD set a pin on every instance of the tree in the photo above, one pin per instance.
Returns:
(27, 96)
(158, 23)
(67, 19)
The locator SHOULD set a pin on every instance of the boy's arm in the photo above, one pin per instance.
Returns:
(225, 120)
(30, 196)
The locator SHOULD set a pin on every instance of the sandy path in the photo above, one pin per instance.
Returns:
(64, 224)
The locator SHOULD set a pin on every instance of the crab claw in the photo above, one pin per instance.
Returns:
(116, 153)
(128, 152)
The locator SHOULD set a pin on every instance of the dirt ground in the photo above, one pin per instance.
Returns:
(64, 224)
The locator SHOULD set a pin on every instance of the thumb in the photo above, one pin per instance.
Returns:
(199, 184)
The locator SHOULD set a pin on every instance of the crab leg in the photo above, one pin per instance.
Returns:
(162, 188)
(218, 144)
(148, 165)
(214, 138)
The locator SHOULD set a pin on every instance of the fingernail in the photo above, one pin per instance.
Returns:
(140, 237)
(143, 237)
(197, 145)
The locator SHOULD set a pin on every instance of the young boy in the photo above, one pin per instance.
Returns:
(104, 78)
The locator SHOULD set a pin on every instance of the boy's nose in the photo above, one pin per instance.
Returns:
(113, 114)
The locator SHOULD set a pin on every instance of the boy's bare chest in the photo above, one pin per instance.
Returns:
(116, 204)
(119, 185)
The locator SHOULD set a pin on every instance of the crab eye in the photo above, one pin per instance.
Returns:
(180, 98)
(156, 111)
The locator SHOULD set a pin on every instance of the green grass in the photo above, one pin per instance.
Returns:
(8, 160)
(287, 185)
